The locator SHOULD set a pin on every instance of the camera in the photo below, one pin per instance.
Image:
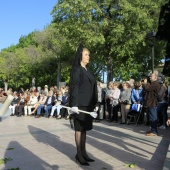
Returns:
(161, 78)
(146, 76)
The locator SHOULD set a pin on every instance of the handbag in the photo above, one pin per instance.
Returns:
(115, 102)
(126, 102)
(136, 107)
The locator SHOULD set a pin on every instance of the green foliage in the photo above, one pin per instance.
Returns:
(113, 31)
(5, 160)
(10, 149)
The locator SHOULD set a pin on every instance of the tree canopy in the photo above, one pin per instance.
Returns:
(114, 31)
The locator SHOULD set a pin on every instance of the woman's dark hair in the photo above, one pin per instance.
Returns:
(76, 64)
(137, 85)
(78, 56)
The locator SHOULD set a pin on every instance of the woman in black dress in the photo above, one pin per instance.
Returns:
(83, 96)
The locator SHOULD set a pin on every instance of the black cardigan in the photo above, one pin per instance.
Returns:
(83, 88)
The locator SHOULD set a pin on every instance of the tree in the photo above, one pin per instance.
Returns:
(114, 29)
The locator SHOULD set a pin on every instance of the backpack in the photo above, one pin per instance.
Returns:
(160, 94)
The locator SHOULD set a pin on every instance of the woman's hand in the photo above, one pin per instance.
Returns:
(74, 109)
(96, 109)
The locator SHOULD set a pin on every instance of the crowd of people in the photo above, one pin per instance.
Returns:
(121, 97)
(37, 102)
(117, 99)
(85, 95)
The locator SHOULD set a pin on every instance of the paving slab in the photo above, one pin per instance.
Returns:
(49, 144)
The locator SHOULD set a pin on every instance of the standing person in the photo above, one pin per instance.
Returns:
(137, 96)
(83, 96)
(114, 98)
(162, 108)
(151, 101)
(125, 101)
(46, 90)
(108, 105)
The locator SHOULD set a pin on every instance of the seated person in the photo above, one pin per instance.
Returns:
(57, 107)
(47, 105)
(14, 103)
(20, 106)
(63, 111)
(41, 101)
(59, 95)
(31, 104)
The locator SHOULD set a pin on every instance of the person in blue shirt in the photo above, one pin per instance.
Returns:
(137, 97)
(137, 94)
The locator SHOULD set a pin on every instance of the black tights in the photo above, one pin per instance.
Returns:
(80, 138)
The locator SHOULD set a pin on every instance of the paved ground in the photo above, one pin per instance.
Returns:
(48, 144)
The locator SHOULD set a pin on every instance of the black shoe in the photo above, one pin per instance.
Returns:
(89, 160)
(12, 114)
(38, 116)
(81, 161)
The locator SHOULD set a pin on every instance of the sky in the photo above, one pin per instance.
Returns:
(21, 17)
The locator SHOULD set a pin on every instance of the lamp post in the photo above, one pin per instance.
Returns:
(151, 36)
(59, 71)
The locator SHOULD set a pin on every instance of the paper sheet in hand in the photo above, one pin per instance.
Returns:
(4, 108)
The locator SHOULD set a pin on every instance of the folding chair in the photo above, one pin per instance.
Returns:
(134, 114)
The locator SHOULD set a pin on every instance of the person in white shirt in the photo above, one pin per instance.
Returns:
(114, 102)
(41, 101)
(31, 104)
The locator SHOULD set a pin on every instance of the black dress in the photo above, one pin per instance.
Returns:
(83, 95)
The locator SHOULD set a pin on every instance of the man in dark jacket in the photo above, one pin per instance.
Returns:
(151, 101)
(47, 105)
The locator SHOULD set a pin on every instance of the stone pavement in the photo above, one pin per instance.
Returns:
(48, 144)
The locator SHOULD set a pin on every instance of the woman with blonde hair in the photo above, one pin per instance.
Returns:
(41, 101)
(125, 101)
(114, 102)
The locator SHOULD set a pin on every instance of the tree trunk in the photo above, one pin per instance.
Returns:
(110, 70)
